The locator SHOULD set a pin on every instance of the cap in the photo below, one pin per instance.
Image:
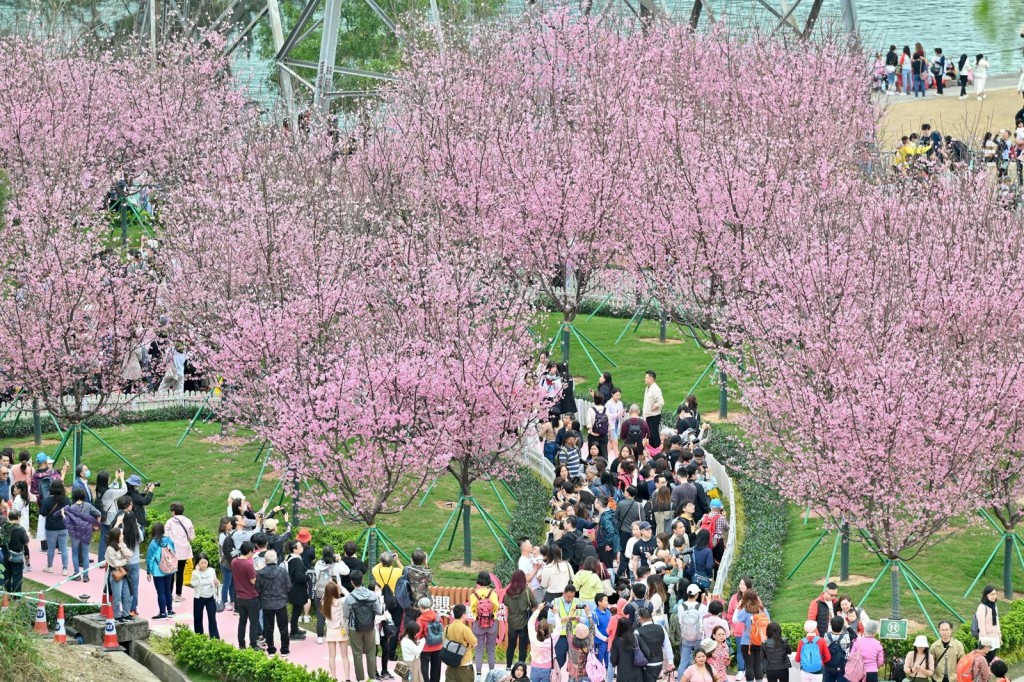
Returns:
(692, 588)
(921, 641)
(716, 504)
(134, 479)
(659, 567)
(989, 642)
(581, 631)
(304, 535)
(270, 524)
(810, 626)
(236, 495)
(708, 646)
(644, 525)
(43, 457)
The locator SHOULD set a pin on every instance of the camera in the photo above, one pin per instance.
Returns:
(551, 521)
(155, 484)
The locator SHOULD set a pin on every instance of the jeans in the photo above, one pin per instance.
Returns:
(739, 654)
(80, 556)
(248, 612)
(540, 674)
(561, 650)
(832, 677)
(53, 537)
(133, 575)
(430, 666)
(163, 585)
(963, 86)
(120, 594)
(686, 650)
(907, 80)
(918, 84)
(939, 82)
(321, 622)
(208, 604)
(364, 644)
(104, 532)
(12, 575)
(890, 79)
(755, 662)
(523, 639)
(487, 638)
(279, 617)
(227, 586)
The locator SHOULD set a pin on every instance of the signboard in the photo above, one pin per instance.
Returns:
(892, 629)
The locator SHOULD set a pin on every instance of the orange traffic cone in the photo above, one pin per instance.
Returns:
(104, 606)
(5, 604)
(40, 624)
(60, 635)
(110, 642)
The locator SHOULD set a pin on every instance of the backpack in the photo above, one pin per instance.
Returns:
(435, 633)
(965, 667)
(361, 616)
(320, 582)
(810, 656)
(638, 604)
(837, 655)
(975, 628)
(708, 523)
(854, 669)
(584, 548)
(759, 628)
(600, 427)
(403, 593)
(168, 561)
(390, 603)
(635, 433)
(691, 622)
(44, 489)
(484, 610)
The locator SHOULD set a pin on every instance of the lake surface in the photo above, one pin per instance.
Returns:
(992, 27)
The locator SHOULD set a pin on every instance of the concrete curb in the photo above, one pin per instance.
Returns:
(159, 665)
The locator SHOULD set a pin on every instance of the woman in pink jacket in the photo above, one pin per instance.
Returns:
(870, 650)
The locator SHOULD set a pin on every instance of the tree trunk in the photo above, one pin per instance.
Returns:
(844, 553)
(467, 534)
(1008, 565)
(895, 576)
(76, 447)
(663, 331)
(723, 396)
(295, 499)
(37, 423)
(565, 339)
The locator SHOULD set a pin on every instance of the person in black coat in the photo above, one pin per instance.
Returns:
(622, 654)
(354, 563)
(298, 594)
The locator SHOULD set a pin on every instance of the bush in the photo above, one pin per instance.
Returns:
(23, 427)
(527, 520)
(764, 520)
(224, 662)
(20, 646)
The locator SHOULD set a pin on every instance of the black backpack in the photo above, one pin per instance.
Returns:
(635, 433)
(600, 423)
(362, 616)
(837, 655)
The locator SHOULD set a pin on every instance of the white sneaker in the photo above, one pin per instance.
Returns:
(306, 619)
(319, 640)
(963, 96)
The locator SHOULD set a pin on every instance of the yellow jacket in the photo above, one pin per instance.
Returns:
(910, 150)
(459, 631)
(481, 593)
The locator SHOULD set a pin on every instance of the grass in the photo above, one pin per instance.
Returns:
(948, 568)
(678, 363)
(201, 472)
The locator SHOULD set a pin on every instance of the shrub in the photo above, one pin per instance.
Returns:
(224, 662)
(23, 427)
(764, 519)
(527, 520)
(20, 646)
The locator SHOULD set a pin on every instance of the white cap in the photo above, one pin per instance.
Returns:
(236, 495)
(693, 589)
(921, 641)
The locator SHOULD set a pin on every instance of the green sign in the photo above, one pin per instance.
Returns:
(892, 629)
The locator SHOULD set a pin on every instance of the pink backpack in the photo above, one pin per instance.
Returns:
(854, 671)
(595, 668)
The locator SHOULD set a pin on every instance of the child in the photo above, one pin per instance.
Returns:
(999, 670)
(718, 652)
(812, 654)
(411, 650)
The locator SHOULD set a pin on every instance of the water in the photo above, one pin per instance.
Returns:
(957, 26)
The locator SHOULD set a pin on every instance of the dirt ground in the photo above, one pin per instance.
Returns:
(89, 663)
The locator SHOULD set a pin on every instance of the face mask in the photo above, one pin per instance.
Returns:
(86, 474)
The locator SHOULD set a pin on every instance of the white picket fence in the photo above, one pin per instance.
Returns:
(534, 456)
(22, 408)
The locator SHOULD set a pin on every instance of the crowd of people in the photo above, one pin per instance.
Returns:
(904, 72)
(927, 152)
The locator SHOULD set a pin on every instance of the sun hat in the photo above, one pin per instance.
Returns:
(989, 642)
(236, 495)
(921, 641)
(708, 645)
(304, 535)
(134, 480)
(581, 631)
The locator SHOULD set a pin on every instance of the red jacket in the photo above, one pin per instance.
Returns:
(822, 648)
(425, 618)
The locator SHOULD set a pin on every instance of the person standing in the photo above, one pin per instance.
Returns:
(939, 70)
(331, 612)
(655, 640)
(962, 70)
(946, 652)
(598, 423)
(272, 584)
(51, 518)
(140, 500)
(870, 650)
(328, 569)
(987, 614)
(40, 485)
(204, 596)
(823, 608)
(81, 519)
(980, 76)
(298, 592)
(412, 649)
(776, 654)
(519, 604)
(15, 551)
(484, 606)
(811, 654)
(247, 598)
(361, 608)
(82, 475)
(919, 666)
(131, 535)
(117, 555)
(107, 492)
(181, 532)
(161, 572)
(654, 401)
(386, 574)
(432, 634)
(892, 63)
(918, 67)
(460, 633)
(624, 642)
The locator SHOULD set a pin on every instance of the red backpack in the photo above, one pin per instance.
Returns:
(710, 523)
(965, 667)
(484, 610)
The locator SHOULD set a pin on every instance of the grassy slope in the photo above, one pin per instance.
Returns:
(201, 473)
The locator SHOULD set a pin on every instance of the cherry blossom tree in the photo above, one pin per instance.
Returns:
(883, 357)
(74, 306)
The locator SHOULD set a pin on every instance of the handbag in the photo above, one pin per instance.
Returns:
(15, 557)
(118, 573)
(639, 657)
(452, 652)
(556, 672)
(402, 669)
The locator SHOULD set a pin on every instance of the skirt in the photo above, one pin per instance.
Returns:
(336, 635)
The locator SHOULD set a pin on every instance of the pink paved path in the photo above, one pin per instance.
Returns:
(306, 652)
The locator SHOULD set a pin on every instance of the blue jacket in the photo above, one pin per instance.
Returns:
(153, 556)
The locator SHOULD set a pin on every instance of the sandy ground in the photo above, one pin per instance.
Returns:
(964, 119)
(90, 663)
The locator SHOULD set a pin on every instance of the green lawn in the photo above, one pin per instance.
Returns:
(678, 363)
(948, 568)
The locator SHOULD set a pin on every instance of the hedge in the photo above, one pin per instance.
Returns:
(23, 427)
(24, 610)
(223, 662)
(765, 521)
(532, 498)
